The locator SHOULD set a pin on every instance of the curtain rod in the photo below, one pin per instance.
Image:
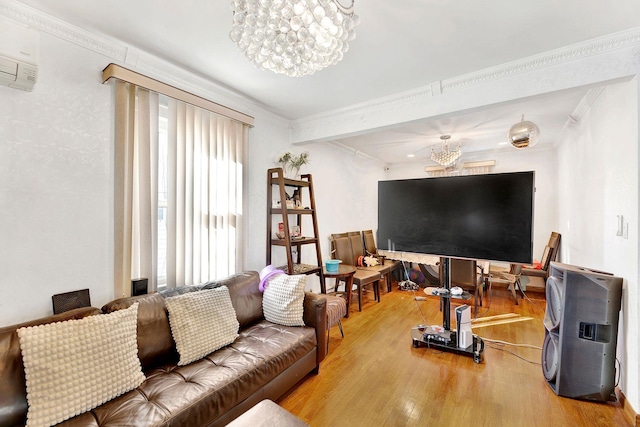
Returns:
(117, 72)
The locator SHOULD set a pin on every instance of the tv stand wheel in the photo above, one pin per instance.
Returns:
(477, 357)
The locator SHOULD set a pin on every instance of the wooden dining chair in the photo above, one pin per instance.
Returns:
(391, 266)
(550, 254)
(341, 249)
(512, 278)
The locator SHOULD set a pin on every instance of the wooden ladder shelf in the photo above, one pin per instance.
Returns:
(292, 215)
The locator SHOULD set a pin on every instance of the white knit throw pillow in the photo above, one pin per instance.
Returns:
(74, 366)
(283, 300)
(202, 322)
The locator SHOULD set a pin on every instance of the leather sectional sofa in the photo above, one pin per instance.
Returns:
(264, 362)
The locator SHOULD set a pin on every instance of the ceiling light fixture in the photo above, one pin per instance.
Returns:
(293, 37)
(446, 157)
(524, 134)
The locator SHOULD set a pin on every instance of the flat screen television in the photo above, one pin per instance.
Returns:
(486, 217)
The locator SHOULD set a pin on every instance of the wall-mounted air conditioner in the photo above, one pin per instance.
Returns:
(18, 55)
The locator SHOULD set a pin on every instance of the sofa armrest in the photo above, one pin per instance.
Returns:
(315, 315)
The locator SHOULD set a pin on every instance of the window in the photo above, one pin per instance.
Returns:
(178, 190)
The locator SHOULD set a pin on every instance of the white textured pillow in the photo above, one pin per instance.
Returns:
(202, 322)
(74, 366)
(283, 300)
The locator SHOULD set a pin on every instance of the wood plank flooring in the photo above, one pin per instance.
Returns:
(374, 377)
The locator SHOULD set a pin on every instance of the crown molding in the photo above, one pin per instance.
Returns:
(554, 57)
(310, 128)
(56, 27)
(139, 61)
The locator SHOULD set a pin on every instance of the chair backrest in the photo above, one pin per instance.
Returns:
(554, 244)
(341, 249)
(546, 258)
(369, 242)
(356, 244)
(463, 273)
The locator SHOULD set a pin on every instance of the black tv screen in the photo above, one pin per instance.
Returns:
(486, 217)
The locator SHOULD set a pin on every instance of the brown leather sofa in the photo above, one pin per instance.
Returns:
(264, 362)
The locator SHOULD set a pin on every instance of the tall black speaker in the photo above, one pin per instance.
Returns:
(581, 332)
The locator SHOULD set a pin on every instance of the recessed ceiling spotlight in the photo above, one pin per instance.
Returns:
(411, 155)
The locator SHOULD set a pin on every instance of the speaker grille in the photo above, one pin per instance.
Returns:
(550, 357)
(553, 313)
(70, 300)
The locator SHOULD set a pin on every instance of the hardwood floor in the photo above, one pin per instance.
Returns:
(374, 377)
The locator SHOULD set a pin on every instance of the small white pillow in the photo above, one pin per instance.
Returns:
(202, 322)
(74, 366)
(283, 300)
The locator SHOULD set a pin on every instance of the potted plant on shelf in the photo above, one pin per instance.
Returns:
(292, 163)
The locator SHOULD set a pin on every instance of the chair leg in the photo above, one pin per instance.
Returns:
(512, 288)
(477, 301)
(329, 333)
(520, 287)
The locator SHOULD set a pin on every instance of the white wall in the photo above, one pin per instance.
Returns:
(266, 140)
(56, 204)
(598, 180)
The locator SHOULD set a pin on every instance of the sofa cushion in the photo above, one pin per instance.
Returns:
(76, 365)
(201, 322)
(283, 300)
(13, 391)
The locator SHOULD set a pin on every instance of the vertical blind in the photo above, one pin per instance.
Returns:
(178, 190)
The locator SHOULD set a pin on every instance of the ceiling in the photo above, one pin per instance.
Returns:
(400, 45)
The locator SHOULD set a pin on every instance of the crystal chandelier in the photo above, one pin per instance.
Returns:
(293, 37)
(524, 134)
(446, 157)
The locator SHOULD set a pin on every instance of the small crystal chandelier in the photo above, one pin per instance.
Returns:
(524, 134)
(446, 157)
(293, 37)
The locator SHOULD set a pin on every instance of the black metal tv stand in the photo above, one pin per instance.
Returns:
(446, 340)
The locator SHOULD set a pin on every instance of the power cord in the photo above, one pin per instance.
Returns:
(495, 347)
(511, 344)
(490, 299)
(499, 345)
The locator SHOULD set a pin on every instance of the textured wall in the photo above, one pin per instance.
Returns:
(55, 184)
(597, 181)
